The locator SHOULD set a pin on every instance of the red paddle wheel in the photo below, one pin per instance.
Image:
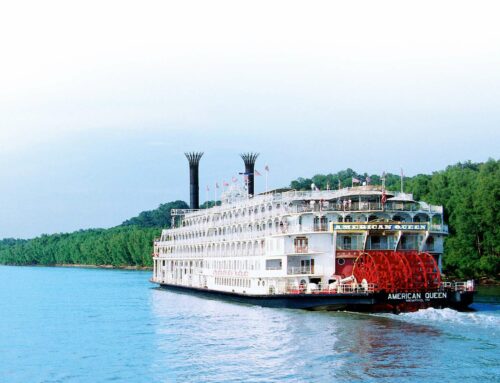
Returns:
(397, 270)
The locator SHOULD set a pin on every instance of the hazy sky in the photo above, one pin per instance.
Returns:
(99, 99)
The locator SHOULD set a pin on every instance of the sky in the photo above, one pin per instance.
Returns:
(100, 99)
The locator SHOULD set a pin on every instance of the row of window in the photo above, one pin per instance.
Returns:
(233, 282)
(239, 248)
(318, 221)
(214, 264)
(232, 214)
(340, 204)
(224, 231)
(382, 242)
(233, 265)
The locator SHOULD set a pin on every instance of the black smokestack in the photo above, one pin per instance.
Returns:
(194, 191)
(249, 160)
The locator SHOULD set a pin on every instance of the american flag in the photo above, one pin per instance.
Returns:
(355, 180)
(234, 179)
(226, 184)
(256, 172)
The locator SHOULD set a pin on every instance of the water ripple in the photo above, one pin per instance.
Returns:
(74, 325)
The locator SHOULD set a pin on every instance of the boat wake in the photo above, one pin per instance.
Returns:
(448, 316)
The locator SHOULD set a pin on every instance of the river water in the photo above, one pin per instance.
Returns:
(89, 325)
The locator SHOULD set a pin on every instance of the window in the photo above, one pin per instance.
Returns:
(346, 245)
(301, 244)
(430, 243)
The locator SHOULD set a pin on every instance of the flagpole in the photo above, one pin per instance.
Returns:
(215, 194)
(401, 180)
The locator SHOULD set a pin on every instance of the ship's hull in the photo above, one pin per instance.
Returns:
(361, 302)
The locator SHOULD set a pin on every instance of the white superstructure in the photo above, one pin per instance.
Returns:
(289, 241)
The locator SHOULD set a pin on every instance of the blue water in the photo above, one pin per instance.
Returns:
(86, 325)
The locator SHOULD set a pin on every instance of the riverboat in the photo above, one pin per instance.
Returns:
(360, 248)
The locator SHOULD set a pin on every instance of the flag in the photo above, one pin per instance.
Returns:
(226, 184)
(217, 185)
(245, 177)
(355, 180)
(208, 189)
(234, 179)
(368, 180)
(266, 168)
(384, 197)
(256, 172)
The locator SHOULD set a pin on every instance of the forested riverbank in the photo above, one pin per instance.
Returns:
(469, 192)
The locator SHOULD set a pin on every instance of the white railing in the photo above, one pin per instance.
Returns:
(438, 227)
(304, 270)
(458, 286)
(312, 288)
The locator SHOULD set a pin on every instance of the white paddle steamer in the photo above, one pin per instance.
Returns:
(358, 248)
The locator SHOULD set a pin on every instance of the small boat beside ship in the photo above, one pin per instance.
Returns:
(361, 248)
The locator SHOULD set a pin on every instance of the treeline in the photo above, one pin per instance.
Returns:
(160, 217)
(470, 195)
(469, 192)
(119, 246)
(129, 244)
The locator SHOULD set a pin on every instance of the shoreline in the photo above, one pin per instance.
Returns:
(480, 282)
(83, 266)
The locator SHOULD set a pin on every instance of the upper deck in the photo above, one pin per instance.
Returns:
(280, 212)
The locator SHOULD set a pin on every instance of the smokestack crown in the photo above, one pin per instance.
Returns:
(249, 158)
(194, 158)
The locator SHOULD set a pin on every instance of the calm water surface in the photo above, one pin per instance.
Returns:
(84, 325)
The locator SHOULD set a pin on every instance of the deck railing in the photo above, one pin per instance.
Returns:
(301, 249)
(349, 288)
(304, 270)
(458, 286)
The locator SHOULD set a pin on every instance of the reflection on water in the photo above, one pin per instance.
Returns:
(76, 325)
(226, 341)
